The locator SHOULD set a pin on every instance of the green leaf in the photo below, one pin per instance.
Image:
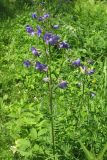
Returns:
(22, 144)
(23, 147)
(5, 97)
(28, 121)
(42, 132)
(27, 114)
(33, 134)
(88, 154)
(101, 154)
(43, 123)
(25, 154)
(37, 149)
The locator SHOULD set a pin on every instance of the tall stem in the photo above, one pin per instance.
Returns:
(105, 81)
(51, 104)
(84, 101)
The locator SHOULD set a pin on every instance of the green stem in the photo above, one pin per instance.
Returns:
(51, 104)
(105, 81)
(84, 98)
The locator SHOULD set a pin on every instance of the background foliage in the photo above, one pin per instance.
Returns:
(25, 125)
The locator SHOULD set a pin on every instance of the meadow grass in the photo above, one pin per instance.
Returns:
(77, 113)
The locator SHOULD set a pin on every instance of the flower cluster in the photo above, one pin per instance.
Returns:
(53, 40)
(41, 18)
(83, 69)
(50, 39)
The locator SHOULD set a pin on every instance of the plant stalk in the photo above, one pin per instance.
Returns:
(51, 104)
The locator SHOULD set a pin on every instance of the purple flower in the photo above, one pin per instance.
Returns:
(46, 15)
(77, 63)
(64, 45)
(54, 40)
(35, 52)
(30, 30)
(47, 37)
(39, 31)
(40, 18)
(90, 72)
(51, 39)
(26, 63)
(41, 67)
(34, 15)
(56, 26)
(62, 84)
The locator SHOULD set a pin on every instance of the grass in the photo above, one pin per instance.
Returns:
(25, 117)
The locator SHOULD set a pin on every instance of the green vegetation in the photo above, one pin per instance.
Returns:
(29, 112)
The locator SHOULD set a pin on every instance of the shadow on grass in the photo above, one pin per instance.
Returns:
(9, 8)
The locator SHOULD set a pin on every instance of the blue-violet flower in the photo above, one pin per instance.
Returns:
(26, 63)
(39, 31)
(51, 39)
(41, 67)
(76, 63)
(64, 45)
(90, 72)
(30, 30)
(41, 18)
(35, 52)
(62, 84)
(34, 15)
(56, 26)
(46, 15)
